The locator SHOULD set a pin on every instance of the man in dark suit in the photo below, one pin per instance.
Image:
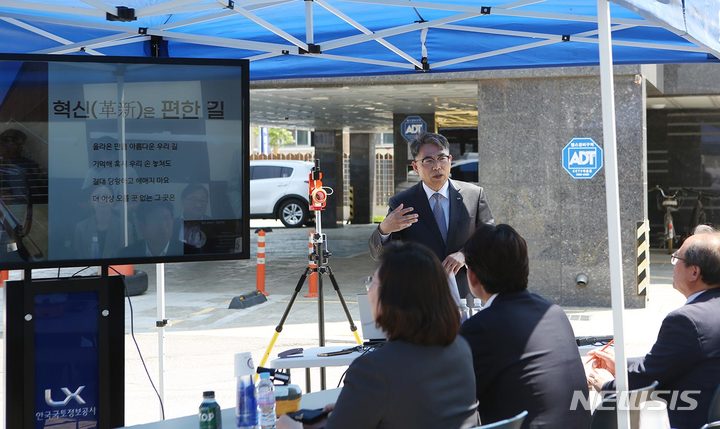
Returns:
(155, 221)
(685, 358)
(437, 212)
(524, 352)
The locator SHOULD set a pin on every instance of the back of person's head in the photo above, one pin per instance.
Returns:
(704, 252)
(14, 135)
(703, 229)
(193, 188)
(497, 255)
(420, 140)
(11, 142)
(414, 302)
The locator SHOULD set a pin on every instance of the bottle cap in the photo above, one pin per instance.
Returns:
(244, 364)
(265, 376)
(209, 394)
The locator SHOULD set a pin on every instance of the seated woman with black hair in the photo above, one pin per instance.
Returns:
(423, 376)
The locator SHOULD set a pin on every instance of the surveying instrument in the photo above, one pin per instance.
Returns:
(318, 263)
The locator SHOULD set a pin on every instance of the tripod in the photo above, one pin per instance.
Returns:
(319, 256)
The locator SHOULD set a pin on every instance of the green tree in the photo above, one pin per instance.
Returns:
(279, 137)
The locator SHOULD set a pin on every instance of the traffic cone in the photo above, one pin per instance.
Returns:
(260, 270)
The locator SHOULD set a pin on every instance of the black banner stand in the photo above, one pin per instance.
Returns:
(65, 344)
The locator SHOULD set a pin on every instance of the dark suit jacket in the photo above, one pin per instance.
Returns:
(138, 249)
(685, 357)
(468, 209)
(526, 358)
(87, 228)
(403, 385)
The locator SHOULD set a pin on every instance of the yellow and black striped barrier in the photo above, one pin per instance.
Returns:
(643, 256)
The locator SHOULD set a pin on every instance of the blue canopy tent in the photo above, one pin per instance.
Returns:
(330, 38)
(324, 38)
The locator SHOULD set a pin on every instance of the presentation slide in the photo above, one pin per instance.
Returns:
(122, 161)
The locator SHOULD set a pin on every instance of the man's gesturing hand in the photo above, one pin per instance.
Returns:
(398, 219)
(453, 262)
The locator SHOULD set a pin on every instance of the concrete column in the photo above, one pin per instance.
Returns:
(523, 125)
(401, 152)
(328, 150)
(362, 165)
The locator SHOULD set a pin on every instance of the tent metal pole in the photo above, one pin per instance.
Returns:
(505, 11)
(101, 6)
(221, 41)
(394, 31)
(529, 34)
(365, 61)
(163, 8)
(365, 30)
(43, 33)
(533, 45)
(503, 51)
(160, 287)
(45, 7)
(262, 56)
(270, 27)
(70, 23)
(612, 201)
(309, 27)
(93, 43)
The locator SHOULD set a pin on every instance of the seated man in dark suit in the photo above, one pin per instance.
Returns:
(524, 351)
(155, 221)
(685, 358)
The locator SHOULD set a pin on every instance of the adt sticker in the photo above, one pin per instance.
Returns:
(411, 127)
(582, 158)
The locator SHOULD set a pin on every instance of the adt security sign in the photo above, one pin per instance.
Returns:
(582, 158)
(412, 126)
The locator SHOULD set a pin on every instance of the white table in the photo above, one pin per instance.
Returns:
(310, 359)
(307, 401)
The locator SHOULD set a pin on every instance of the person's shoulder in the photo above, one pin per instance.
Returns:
(468, 190)
(704, 307)
(381, 356)
(460, 345)
(406, 195)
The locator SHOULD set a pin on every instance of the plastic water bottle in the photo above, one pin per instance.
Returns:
(266, 401)
(209, 412)
(246, 414)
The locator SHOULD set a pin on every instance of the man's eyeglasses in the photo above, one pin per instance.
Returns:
(674, 258)
(429, 161)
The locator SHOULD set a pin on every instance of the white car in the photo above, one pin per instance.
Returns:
(279, 190)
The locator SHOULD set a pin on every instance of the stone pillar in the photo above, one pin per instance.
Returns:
(401, 153)
(362, 166)
(328, 150)
(523, 125)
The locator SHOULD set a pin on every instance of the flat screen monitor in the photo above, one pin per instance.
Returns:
(122, 160)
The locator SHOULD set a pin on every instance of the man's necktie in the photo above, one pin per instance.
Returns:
(440, 215)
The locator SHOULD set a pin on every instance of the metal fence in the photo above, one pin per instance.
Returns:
(384, 179)
(283, 156)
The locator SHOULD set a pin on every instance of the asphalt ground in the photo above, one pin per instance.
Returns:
(203, 335)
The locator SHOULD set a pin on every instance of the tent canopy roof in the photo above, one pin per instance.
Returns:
(330, 38)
